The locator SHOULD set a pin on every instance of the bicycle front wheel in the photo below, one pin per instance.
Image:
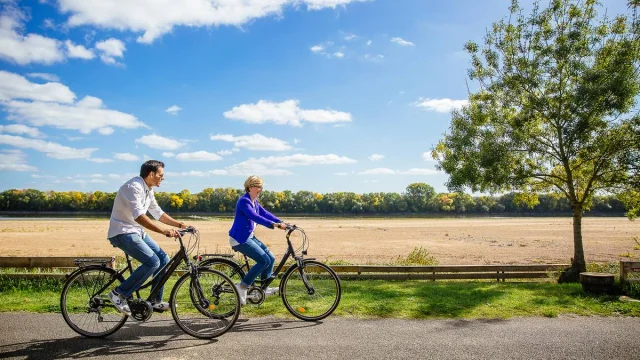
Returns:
(312, 292)
(205, 306)
(85, 305)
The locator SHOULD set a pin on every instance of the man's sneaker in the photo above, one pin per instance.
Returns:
(242, 293)
(161, 306)
(272, 291)
(119, 302)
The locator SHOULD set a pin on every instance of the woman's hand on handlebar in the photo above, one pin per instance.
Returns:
(284, 226)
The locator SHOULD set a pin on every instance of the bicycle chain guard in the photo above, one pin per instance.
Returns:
(140, 310)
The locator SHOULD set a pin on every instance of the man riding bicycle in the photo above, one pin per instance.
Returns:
(127, 232)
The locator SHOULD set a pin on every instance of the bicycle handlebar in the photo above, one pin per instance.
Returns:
(188, 229)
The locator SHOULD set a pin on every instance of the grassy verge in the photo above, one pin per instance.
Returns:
(389, 299)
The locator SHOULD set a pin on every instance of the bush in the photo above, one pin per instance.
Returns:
(419, 256)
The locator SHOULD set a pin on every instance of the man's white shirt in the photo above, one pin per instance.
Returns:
(134, 198)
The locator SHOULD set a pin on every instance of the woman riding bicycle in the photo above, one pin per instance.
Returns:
(242, 238)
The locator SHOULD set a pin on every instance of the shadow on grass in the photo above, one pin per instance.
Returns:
(474, 299)
(415, 299)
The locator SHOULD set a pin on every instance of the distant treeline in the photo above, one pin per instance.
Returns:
(419, 198)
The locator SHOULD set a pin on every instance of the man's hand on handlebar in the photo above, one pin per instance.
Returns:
(172, 233)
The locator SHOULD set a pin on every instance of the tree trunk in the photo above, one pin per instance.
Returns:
(578, 263)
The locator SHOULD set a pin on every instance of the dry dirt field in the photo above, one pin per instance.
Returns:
(362, 241)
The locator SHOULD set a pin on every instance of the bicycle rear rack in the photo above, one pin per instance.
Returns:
(110, 263)
(204, 256)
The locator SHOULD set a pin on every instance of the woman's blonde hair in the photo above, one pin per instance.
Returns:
(253, 181)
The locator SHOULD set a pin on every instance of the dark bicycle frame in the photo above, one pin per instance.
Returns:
(264, 284)
(165, 272)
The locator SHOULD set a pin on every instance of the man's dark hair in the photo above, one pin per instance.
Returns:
(150, 166)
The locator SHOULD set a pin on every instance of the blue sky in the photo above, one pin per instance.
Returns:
(319, 95)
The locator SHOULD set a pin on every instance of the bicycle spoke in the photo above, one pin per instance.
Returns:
(86, 312)
(207, 306)
(322, 300)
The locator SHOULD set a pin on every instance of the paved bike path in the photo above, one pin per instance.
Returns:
(46, 336)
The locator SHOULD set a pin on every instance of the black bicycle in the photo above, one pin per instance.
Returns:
(309, 289)
(204, 302)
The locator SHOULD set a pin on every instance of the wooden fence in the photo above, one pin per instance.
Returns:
(627, 267)
(346, 272)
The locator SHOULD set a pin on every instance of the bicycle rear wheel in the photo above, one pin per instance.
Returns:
(313, 303)
(205, 306)
(225, 266)
(85, 309)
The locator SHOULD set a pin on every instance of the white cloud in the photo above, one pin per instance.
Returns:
(254, 142)
(100, 160)
(284, 113)
(14, 160)
(415, 171)
(369, 42)
(441, 105)
(22, 129)
(189, 174)
(25, 49)
(14, 86)
(401, 41)
(154, 18)
(73, 117)
(374, 57)
(126, 156)
(426, 156)
(300, 160)
(111, 49)
(225, 152)
(168, 154)
(106, 131)
(341, 174)
(385, 171)
(245, 169)
(322, 49)
(376, 157)
(173, 110)
(51, 149)
(378, 171)
(78, 51)
(273, 165)
(351, 37)
(198, 156)
(160, 142)
(321, 4)
(52, 105)
(44, 76)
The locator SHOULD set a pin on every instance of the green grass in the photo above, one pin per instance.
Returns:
(390, 299)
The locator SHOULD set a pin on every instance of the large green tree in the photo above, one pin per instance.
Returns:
(552, 111)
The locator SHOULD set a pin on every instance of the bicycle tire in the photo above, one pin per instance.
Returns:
(221, 295)
(229, 267)
(89, 314)
(311, 307)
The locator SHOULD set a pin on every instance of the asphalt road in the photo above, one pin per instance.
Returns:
(46, 336)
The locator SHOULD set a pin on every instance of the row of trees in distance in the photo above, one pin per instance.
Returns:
(419, 198)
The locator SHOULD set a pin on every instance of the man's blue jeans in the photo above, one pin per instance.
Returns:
(263, 257)
(151, 257)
